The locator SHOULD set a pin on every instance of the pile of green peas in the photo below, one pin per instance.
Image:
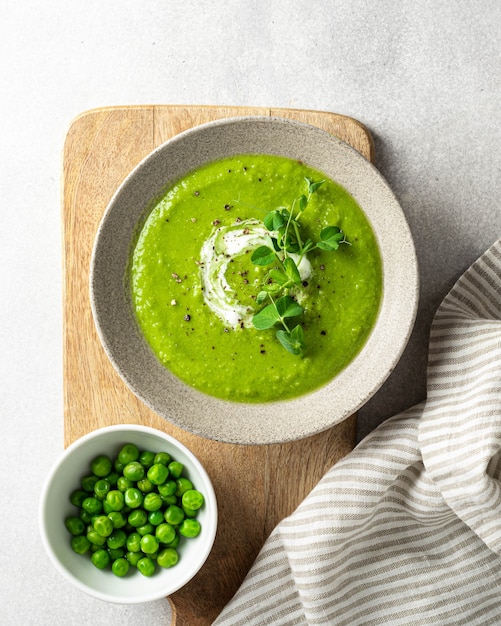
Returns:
(134, 511)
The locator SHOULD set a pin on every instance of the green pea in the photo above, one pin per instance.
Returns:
(190, 512)
(174, 543)
(134, 471)
(152, 502)
(158, 473)
(133, 498)
(75, 525)
(95, 538)
(138, 517)
(101, 488)
(145, 485)
(167, 557)
(117, 539)
(116, 553)
(101, 466)
(192, 499)
(78, 496)
(147, 458)
(124, 483)
(190, 528)
(117, 519)
(145, 529)
(156, 517)
(165, 533)
(85, 516)
(80, 544)
(88, 483)
(146, 566)
(128, 453)
(129, 507)
(183, 485)
(120, 567)
(162, 457)
(101, 559)
(134, 557)
(92, 505)
(169, 499)
(113, 478)
(174, 515)
(103, 525)
(168, 488)
(134, 542)
(149, 544)
(175, 469)
(115, 499)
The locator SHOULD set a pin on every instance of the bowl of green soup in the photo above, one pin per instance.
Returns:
(254, 280)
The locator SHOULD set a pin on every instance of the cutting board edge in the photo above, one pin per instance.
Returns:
(328, 452)
(270, 111)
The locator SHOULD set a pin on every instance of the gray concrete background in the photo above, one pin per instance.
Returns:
(423, 76)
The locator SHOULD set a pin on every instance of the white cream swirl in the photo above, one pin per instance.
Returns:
(225, 244)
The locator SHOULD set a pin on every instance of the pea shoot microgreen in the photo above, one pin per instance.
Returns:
(285, 254)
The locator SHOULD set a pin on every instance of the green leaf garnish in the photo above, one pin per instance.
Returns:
(277, 219)
(288, 307)
(278, 276)
(278, 311)
(303, 202)
(330, 238)
(292, 271)
(268, 220)
(284, 277)
(292, 341)
(266, 318)
(263, 256)
(313, 186)
(271, 288)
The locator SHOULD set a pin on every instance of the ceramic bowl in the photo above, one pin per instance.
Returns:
(55, 506)
(239, 422)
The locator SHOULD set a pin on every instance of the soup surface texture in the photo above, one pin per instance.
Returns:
(194, 286)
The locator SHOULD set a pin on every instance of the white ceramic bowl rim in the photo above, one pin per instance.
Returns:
(54, 507)
(253, 423)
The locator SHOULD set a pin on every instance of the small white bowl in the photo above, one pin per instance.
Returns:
(55, 506)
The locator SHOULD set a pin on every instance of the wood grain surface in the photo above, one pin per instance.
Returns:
(256, 486)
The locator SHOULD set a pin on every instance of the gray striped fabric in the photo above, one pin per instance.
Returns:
(407, 528)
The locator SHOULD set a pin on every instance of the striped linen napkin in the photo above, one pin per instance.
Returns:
(407, 528)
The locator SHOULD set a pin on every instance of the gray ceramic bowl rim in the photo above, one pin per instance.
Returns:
(222, 420)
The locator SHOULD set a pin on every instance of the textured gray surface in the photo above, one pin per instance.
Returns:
(423, 76)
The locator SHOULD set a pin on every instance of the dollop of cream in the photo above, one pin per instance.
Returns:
(224, 244)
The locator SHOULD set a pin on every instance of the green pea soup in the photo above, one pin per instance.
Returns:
(194, 287)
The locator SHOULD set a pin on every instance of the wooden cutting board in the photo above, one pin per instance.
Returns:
(256, 486)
